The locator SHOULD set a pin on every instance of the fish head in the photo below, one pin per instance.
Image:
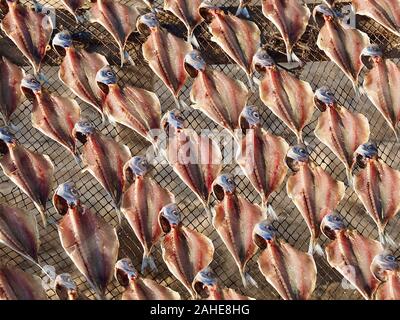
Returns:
(169, 217)
(204, 281)
(324, 98)
(208, 10)
(147, 22)
(194, 63)
(364, 153)
(7, 139)
(82, 129)
(66, 197)
(106, 77)
(224, 185)
(125, 272)
(296, 155)
(250, 118)
(172, 121)
(322, 13)
(30, 85)
(137, 166)
(383, 264)
(263, 234)
(62, 41)
(65, 287)
(262, 61)
(371, 55)
(331, 224)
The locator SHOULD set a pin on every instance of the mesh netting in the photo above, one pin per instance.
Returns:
(318, 70)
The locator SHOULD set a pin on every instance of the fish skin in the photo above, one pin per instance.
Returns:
(55, 117)
(141, 204)
(16, 284)
(234, 220)
(117, 18)
(78, 72)
(187, 11)
(29, 32)
(147, 289)
(135, 108)
(376, 186)
(32, 172)
(290, 17)
(315, 193)
(238, 38)
(91, 244)
(262, 159)
(186, 252)
(342, 132)
(220, 97)
(343, 45)
(73, 5)
(165, 54)
(19, 231)
(390, 289)
(104, 159)
(10, 93)
(291, 272)
(385, 12)
(380, 85)
(350, 249)
(290, 99)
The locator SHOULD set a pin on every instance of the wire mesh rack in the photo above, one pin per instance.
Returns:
(317, 70)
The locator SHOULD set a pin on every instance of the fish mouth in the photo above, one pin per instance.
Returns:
(138, 166)
(262, 60)
(194, 63)
(172, 121)
(207, 11)
(296, 155)
(146, 23)
(61, 41)
(383, 264)
(250, 118)
(323, 13)
(365, 152)
(169, 217)
(65, 287)
(224, 185)
(263, 234)
(66, 197)
(370, 55)
(125, 272)
(7, 141)
(204, 280)
(331, 224)
(30, 85)
(82, 129)
(324, 97)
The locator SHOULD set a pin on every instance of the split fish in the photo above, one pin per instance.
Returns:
(261, 156)
(385, 12)
(291, 18)
(29, 30)
(185, 251)
(386, 268)
(289, 98)
(90, 242)
(220, 97)
(376, 185)
(135, 108)
(52, 115)
(188, 12)
(66, 288)
(19, 232)
(195, 159)
(339, 129)
(32, 172)
(78, 71)
(238, 38)
(381, 83)
(104, 158)
(291, 272)
(16, 284)
(313, 191)
(10, 91)
(206, 285)
(73, 6)
(142, 201)
(165, 54)
(351, 254)
(117, 18)
(341, 43)
(138, 288)
(234, 219)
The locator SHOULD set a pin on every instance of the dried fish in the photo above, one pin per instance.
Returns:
(386, 269)
(66, 288)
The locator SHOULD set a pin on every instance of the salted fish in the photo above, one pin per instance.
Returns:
(386, 268)
(66, 288)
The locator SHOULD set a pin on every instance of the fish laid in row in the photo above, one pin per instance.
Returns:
(90, 242)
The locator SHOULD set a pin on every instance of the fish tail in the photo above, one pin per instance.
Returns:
(148, 263)
(271, 213)
(386, 240)
(300, 138)
(78, 159)
(127, 57)
(292, 57)
(356, 89)
(42, 212)
(396, 133)
(192, 39)
(349, 177)
(180, 104)
(119, 214)
(315, 247)
(256, 81)
(248, 280)
(122, 55)
(251, 83)
(243, 11)
(81, 18)
(209, 212)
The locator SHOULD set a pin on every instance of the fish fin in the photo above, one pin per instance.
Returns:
(243, 11)
(193, 40)
(148, 263)
(248, 280)
(128, 58)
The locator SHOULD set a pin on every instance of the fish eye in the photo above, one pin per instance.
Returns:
(109, 73)
(256, 115)
(390, 258)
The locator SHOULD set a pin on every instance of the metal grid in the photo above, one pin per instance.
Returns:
(317, 70)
